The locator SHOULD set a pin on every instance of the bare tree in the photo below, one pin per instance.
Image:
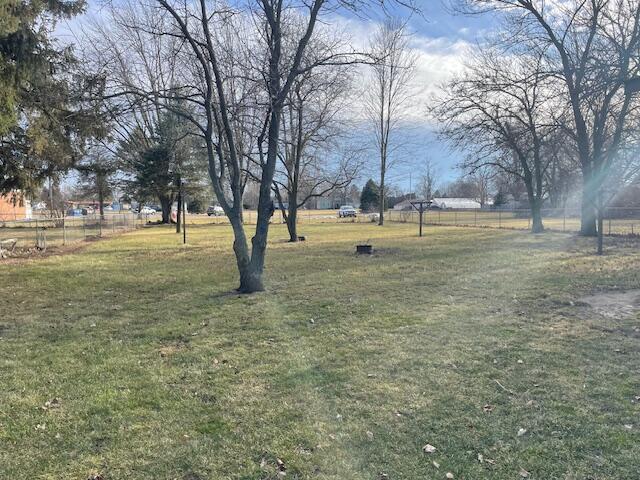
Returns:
(591, 47)
(316, 157)
(500, 107)
(386, 101)
(428, 181)
(276, 51)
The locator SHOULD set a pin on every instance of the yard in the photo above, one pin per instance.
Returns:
(131, 359)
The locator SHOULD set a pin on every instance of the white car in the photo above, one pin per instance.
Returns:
(147, 211)
(347, 211)
(215, 210)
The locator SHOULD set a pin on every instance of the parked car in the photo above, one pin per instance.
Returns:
(74, 212)
(347, 211)
(215, 210)
(147, 211)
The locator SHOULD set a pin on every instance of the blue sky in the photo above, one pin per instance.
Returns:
(441, 39)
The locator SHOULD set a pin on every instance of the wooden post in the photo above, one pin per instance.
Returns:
(64, 230)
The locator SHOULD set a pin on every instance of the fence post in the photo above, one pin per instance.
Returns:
(499, 219)
(475, 217)
(100, 223)
(455, 218)
(64, 230)
(37, 233)
(84, 227)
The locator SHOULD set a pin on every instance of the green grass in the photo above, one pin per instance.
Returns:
(344, 369)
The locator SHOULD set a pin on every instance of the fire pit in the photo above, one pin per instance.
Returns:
(364, 249)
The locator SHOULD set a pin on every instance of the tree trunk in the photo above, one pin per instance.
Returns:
(588, 212)
(165, 203)
(101, 202)
(536, 218)
(292, 222)
(600, 223)
(250, 279)
(381, 198)
(251, 275)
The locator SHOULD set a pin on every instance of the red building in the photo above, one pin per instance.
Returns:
(14, 206)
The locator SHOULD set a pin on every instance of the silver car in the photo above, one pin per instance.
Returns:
(347, 211)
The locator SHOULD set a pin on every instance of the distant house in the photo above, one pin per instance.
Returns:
(14, 206)
(456, 203)
(406, 205)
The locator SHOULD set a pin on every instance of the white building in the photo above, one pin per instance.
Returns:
(457, 203)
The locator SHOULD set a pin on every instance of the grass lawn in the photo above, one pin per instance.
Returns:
(131, 359)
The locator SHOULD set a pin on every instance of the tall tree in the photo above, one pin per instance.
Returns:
(237, 66)
(590, 47)
(312, 137)
(386, 101)
(158, 163)
(44, 115)
(370, 196)
(500, 106)
(428, 180)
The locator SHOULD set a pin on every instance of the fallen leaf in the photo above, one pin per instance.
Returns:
(524, 473)
(628, 426)
(521, 432)
(449, 475)
(488, 408)
(480, 458)
(281, 465)
(369, 435)
(428, 448)
(436, 464)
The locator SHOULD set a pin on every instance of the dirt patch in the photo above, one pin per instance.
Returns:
(616, 305)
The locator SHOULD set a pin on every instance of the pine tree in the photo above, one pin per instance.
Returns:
(370, 197)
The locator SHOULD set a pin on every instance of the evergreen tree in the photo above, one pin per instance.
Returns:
(159, 161)
(44, 115)
(370, 197)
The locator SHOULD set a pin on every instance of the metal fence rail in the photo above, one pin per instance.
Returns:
(48, 232)
(617, 221)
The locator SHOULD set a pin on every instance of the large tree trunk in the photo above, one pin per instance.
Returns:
(251, 275)
(101, 202)
(292, 222)
(588, 207)
(165, 203)
(382, 196)
(536, 218)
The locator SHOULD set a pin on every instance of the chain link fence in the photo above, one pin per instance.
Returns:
(617, 221)
(43, 232)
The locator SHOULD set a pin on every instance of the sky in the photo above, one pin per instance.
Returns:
(440, 39)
